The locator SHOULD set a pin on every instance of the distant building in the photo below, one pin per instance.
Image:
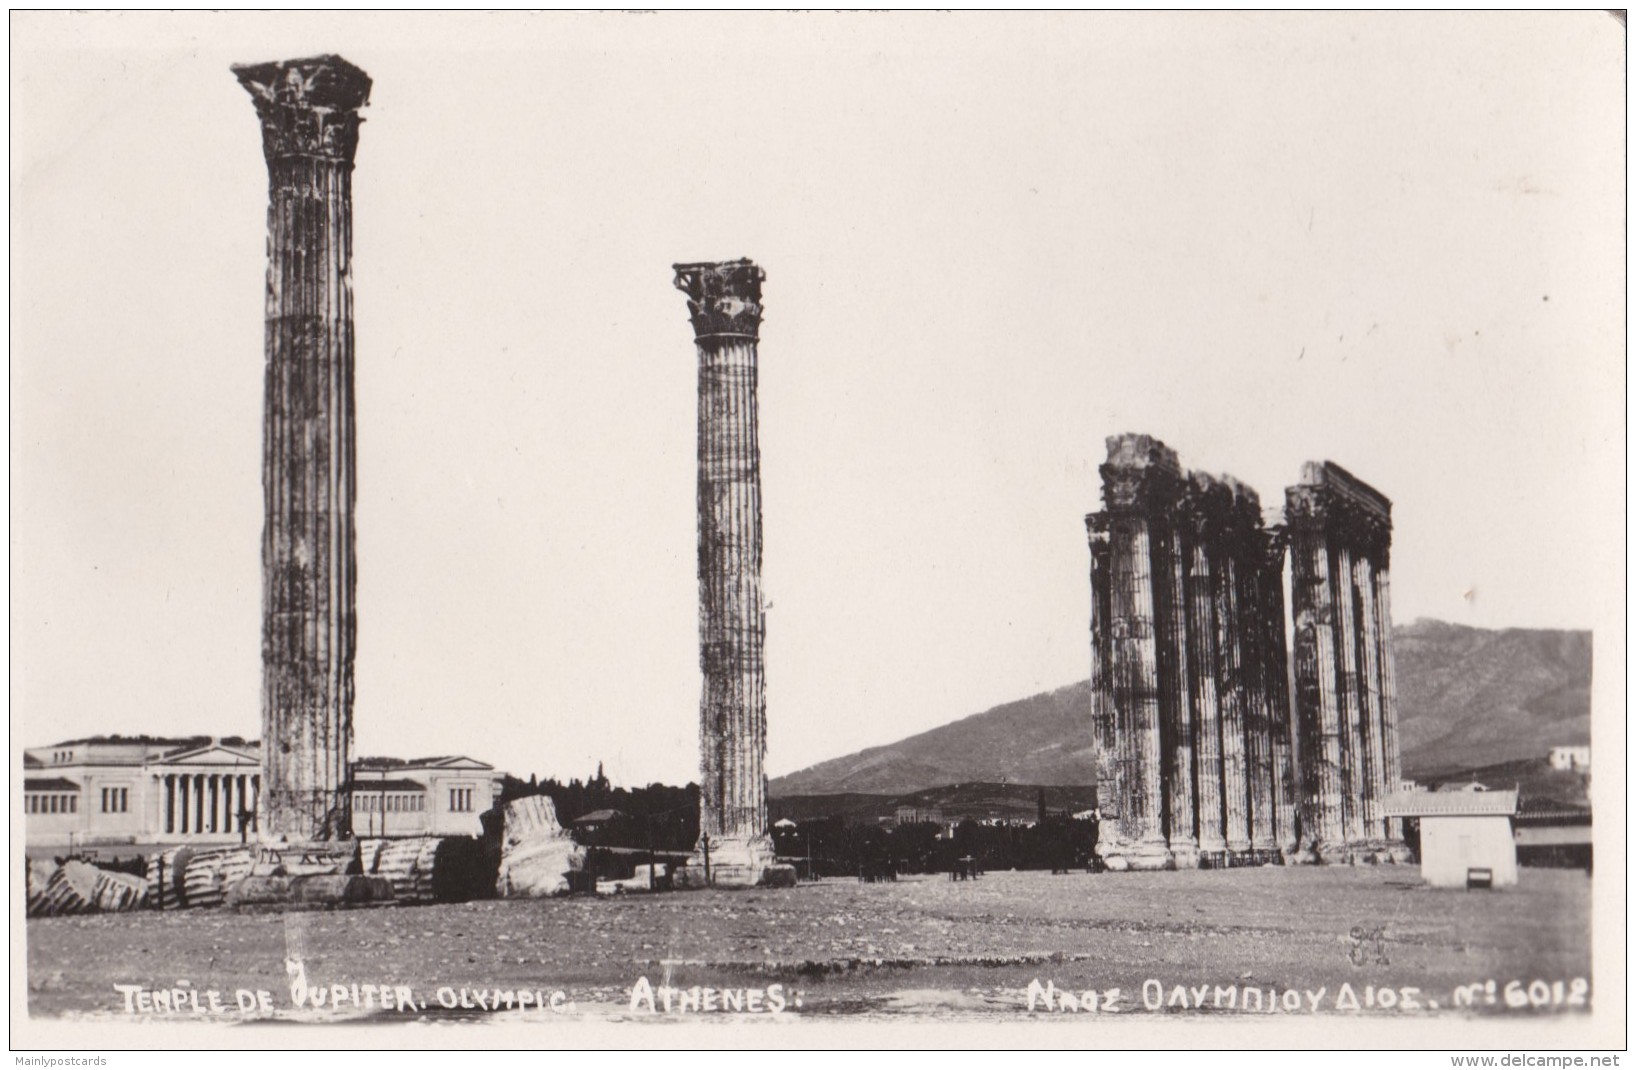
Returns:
(112, 791)
(1554, 836)
(440, 796)
(1571, 759)
(914, 815)
(109, 790)
(1462, 831)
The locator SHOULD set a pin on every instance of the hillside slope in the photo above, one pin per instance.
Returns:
(1042, 739)
(1468, 697)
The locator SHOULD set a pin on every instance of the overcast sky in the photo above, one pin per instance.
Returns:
(1392, 241)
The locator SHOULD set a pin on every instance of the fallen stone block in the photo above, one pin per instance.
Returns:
(536, 854)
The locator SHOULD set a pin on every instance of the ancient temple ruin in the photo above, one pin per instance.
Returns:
(735, 848)
(309, 129)
(1195, 740)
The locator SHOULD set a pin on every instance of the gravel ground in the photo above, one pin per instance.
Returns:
(919, 946)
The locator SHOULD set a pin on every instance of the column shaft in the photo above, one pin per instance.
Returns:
(1230, 685)
(1278, 702)
(731, 620)
(1388, 692)
(1104, 736)
(1258, 742)
(1176, 727)
(308, 111)
(1317, 693)
(1373, 720)
(1201, 651)
(1135, 682)
(1354, 767)
(725, 303)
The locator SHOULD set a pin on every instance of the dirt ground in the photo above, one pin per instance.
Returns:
(1302, 940)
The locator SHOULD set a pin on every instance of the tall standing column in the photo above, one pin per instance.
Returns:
(1175, 686)
(309, 126)
(1278, 702)
(1388, 700)
(1201, 656)
(1258, 722)
(1140, 482)
(1354, 753)
(1104, 736)
(1136, 694)
(1369, 649)
(724, 300)
(1231, 692)
(1316, 692)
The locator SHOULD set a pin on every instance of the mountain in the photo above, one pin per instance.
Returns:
(1467, 697)
(1044, 739)
(1474, 697)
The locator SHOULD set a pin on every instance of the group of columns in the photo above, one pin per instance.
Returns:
(1190, 698)
(1196, 749)
(308, 110)
(198, 803)
(1339, 531)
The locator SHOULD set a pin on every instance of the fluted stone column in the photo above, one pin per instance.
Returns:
(1369, 650)
(1201, 654)
(1285, 789)
(1231, 692)
(309, 125)
(1388, 702)
(1104, 735)
(1354, 766)
(1316, 691)
(1137, 481)
(1136, 691)
(1176, 704)
(724, 301)
(1263, 833)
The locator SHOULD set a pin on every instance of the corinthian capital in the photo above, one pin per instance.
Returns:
(308, 107)
(724, 300)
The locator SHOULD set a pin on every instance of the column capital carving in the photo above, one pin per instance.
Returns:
(307, 107)
(1332, 500)
(1141, 476)
(723, 299)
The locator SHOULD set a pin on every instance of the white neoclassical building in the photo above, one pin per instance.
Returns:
(112, 792)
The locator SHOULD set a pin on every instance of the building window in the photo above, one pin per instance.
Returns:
(73, 803)
(460, 800)
(115, 800)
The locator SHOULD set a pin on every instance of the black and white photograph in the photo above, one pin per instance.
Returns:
(1098, 530)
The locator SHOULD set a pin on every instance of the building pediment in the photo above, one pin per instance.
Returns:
(210, 755)
(456, 763)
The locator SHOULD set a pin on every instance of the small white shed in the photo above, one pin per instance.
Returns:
(1465, 836)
